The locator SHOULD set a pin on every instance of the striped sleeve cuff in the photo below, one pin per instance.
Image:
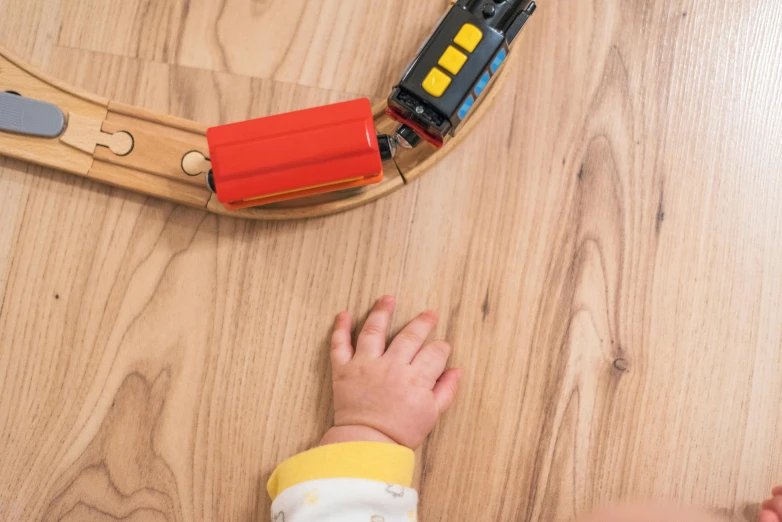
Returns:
(379, 461)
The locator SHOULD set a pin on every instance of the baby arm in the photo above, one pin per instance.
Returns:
(386, 401)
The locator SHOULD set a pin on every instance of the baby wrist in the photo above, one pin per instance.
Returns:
(354, 433)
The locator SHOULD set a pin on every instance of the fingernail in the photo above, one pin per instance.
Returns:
(387, 299)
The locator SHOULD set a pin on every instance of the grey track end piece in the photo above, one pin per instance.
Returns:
(21, 115)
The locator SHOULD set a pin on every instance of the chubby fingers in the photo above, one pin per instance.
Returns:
(408, 342)
(445, 389)
(372, 339)
(777, 491)
(431, 360)
(768, 516)
(341, 345)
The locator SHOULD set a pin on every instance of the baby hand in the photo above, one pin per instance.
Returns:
(390, 395)
(772, 508)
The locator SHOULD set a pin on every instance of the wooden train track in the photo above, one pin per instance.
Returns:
(158, 155)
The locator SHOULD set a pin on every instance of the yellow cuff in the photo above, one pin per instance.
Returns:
(379, 461)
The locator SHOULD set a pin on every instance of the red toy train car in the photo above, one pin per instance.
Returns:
(336, 147)
(294, 155)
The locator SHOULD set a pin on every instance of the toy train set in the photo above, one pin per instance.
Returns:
(292, 155)
(301, 154)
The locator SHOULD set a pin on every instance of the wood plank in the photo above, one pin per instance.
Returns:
(604, 251)
(148, 30)
(30, 28)
(317, 43)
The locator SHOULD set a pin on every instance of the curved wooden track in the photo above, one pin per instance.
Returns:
(160, 142)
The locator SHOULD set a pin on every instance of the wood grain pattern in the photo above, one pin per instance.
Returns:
(309, 46)
(604, 251)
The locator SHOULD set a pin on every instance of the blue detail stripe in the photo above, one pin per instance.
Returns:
(498, 60)
(482, 83)
(466, 106)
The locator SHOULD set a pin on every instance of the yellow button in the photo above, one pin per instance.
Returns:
(452, 60)
(469, 37)
(436, 82)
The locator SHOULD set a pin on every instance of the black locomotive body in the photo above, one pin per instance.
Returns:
(444, 83)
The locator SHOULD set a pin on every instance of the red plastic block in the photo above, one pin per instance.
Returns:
(294, 155)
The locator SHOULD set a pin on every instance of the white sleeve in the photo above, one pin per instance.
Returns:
(345, 500)
(347, 482)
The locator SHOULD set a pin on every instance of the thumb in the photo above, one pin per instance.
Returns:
(445, 388)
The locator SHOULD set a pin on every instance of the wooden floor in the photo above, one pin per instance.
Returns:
(605, 251)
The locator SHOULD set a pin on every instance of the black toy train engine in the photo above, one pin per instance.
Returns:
(445, 81)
